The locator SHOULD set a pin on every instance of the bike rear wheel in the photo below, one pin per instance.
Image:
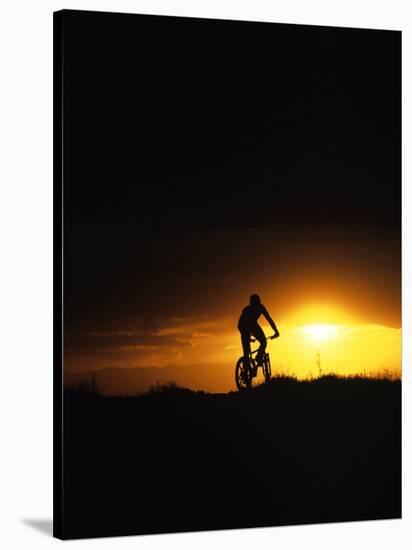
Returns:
(243, 375)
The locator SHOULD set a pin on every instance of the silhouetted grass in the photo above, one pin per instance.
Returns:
(85, 387)
(165, 388)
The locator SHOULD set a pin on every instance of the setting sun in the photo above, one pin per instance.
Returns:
(320, 331)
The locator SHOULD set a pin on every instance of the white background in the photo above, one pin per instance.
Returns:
(26, 321)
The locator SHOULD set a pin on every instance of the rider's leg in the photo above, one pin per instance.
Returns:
(261, 338)
(245, 337)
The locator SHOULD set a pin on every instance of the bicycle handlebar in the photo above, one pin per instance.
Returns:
(266, 338)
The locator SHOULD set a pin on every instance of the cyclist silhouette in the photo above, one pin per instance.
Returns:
(248, 326)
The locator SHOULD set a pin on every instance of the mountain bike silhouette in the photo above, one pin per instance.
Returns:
(244, 374)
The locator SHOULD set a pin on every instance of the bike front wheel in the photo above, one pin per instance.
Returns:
(243, 375)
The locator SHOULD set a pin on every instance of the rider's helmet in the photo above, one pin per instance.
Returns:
(254, 300)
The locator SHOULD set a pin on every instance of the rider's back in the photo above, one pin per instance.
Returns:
(249, 316)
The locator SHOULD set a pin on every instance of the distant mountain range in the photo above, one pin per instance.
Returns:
(121, 381)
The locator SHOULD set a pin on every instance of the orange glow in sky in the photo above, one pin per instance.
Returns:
(314, 339)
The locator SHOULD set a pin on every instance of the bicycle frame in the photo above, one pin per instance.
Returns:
(253, 340)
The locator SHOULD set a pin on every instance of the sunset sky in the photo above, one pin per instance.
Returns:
(205, 161)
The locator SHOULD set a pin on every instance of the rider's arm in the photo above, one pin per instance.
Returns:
(270, 320)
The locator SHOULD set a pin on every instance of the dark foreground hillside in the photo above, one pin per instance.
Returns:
(285, 453)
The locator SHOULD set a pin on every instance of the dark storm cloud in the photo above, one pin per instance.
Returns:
(98, 341)
(194, 122)
(174, 333)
